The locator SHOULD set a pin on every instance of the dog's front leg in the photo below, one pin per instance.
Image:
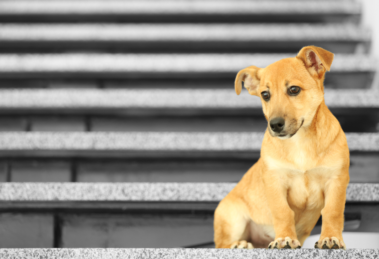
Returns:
(333, 214)
(282, 215)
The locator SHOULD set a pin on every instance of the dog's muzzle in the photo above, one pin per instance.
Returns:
(277, 128)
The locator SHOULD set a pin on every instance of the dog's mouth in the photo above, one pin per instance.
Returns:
(285, 135)
(291, 135)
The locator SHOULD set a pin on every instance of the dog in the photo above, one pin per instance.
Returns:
(303, 171)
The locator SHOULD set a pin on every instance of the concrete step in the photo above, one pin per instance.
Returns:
(122, 99)
(135, 157)
(348, 71)
(11, 194)
(135, 215)
(151, 157)
(161, 63)
(197, 167)
(115, 253)
(163, 110)
(179, 11)
(337, 38)
(148, 143)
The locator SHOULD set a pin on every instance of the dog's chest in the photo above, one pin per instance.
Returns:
(305, 191)
(299, 162)
(298, 157)
(303, 172)
(304, 180)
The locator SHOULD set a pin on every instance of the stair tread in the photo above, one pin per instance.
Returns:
(177, 7)
(182, 32)
(161, 63)
(162, 98)
(118, 253)
(184, 192)
(153, 141)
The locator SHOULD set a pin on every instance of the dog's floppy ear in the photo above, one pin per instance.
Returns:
(317, 60)
(250, 77)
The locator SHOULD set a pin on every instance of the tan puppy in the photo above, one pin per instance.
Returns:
(304, 166)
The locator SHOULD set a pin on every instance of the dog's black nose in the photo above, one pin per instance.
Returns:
(277, 124)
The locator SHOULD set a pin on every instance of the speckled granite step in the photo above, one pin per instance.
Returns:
(185, 253)
(160, 63)
(119, 99)
(32, 143)
(184, 110)
(164, 11)
(348, 71)
(338, 38)
(164, 192)
(182, 32)
(134, 215)
(114, 253)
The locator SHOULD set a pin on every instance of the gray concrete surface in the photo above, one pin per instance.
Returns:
(136, 230)
(26, 230)
(162, 98)
(153, 141)
(143, 191)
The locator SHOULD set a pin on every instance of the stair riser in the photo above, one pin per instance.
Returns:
(130, 228)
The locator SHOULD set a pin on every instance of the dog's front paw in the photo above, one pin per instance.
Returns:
(242, 245)
(330, 243)
(284, 243)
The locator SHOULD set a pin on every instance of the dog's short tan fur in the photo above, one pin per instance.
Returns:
(299, 176)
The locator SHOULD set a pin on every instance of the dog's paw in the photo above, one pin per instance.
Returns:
(242, 245)
(330, 243)
(284, 243)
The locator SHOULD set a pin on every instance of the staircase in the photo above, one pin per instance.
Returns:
(120, 127)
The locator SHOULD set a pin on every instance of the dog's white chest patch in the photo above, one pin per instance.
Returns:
(300, 162)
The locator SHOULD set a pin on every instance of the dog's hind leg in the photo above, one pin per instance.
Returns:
(231, 223)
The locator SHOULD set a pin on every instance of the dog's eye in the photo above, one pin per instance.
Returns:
(266, 95)
(294, 90)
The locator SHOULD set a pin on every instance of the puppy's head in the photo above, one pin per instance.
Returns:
(291, 89)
